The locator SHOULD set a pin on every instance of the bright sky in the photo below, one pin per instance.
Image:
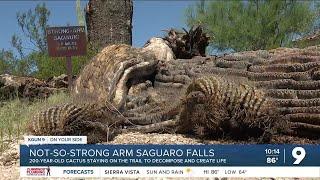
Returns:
(149, 17)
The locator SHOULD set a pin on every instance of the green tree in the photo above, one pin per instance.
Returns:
(10, 64)
(7, 62)
(252, 25)
(24, 64)
(33, 24)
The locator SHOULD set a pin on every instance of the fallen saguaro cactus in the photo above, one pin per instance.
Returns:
(213, 106)
(111, 73)
(290, 76)
(274, 90)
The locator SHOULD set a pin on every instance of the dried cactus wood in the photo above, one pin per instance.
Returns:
(188, 44)
(296, 110)
(164, 126)
(98, 122)
(297, 67)
(306, 130)
(158, 117)
(111, 73)
(293, 58)
(216, 105)
(160, 48)
(232, 64)
(293, 94)
(289, 84)
(266, 76)
(27, 87)
(298, 102)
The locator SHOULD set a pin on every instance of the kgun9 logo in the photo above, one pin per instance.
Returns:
(299, 154)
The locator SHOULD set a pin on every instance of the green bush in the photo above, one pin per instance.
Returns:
(48, 66)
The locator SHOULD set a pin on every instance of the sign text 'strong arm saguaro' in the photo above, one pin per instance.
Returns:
(66, 41)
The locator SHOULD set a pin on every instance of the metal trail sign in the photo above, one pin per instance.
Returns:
(66, 42)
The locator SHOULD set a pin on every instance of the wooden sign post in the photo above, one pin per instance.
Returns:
(67, 42)
(69, 72)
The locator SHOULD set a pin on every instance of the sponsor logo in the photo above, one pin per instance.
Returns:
(38, 171)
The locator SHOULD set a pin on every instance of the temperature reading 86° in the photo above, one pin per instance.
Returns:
(272, 160)
(299, 154)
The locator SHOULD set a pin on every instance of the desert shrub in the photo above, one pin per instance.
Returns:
(14, 115)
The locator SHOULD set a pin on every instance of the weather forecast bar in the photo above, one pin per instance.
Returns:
(170, 172)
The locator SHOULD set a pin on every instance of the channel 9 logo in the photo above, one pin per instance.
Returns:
(299, 154)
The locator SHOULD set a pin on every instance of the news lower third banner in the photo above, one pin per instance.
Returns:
(87, 160)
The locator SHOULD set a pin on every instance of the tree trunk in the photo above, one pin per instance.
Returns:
(109, 22)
